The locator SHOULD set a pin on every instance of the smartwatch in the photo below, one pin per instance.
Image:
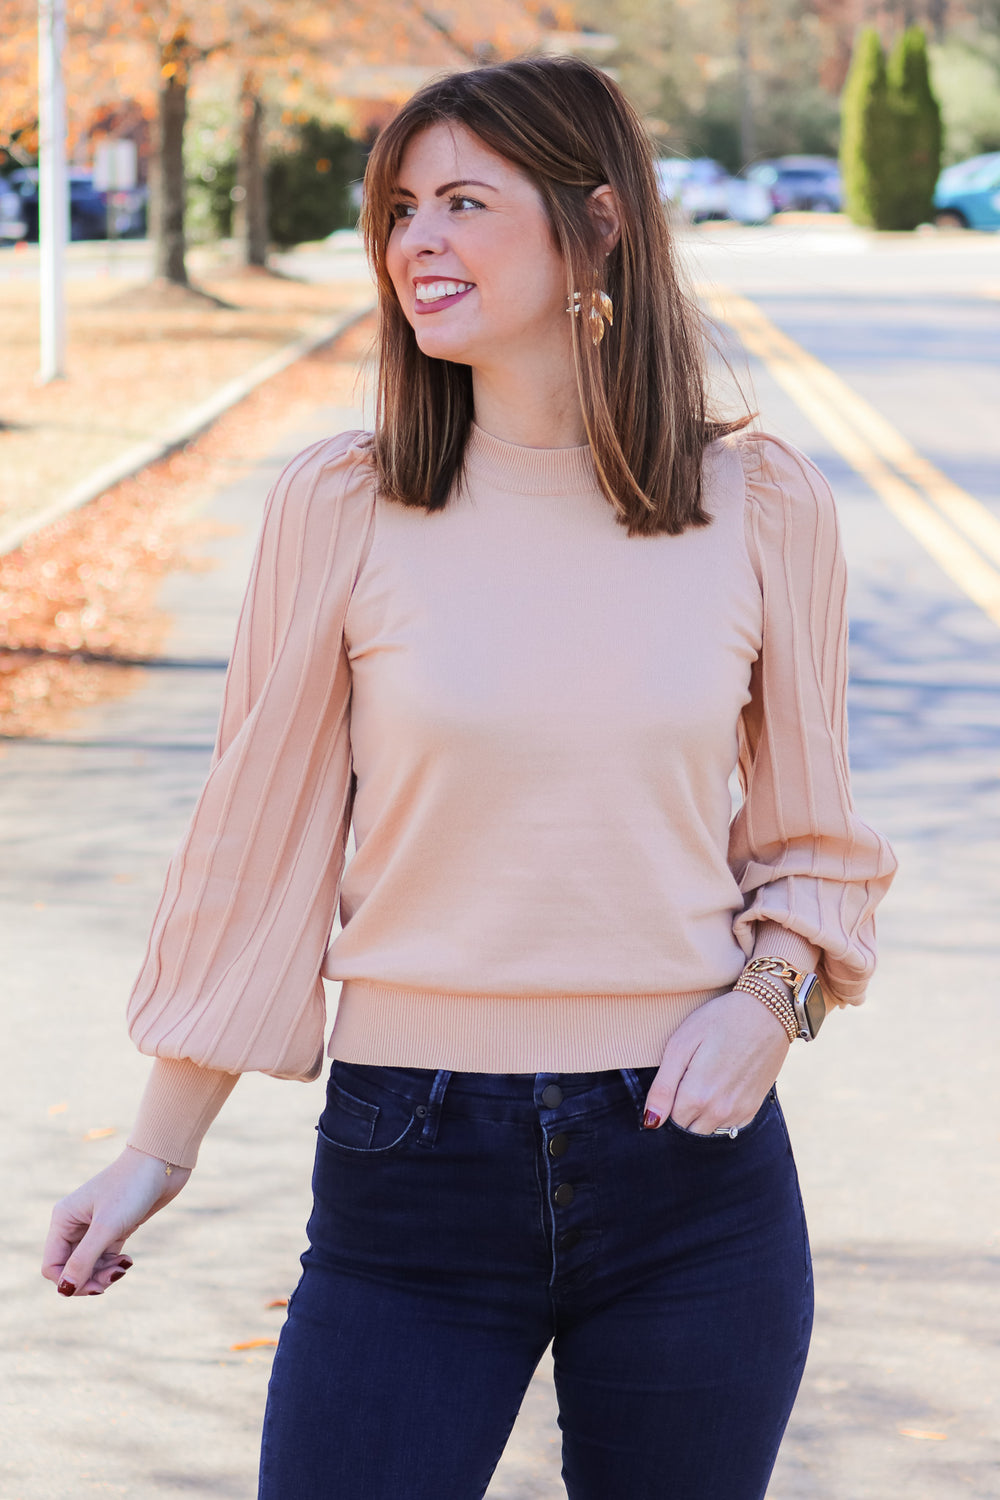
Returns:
(807, 995)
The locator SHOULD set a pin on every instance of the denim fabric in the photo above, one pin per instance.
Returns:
(464, 1221)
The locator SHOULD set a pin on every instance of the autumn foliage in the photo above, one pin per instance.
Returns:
(372, 53)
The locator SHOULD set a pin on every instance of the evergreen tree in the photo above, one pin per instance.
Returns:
(867, 134)
(917, 131)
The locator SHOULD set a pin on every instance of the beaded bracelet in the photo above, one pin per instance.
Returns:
(779, 1005)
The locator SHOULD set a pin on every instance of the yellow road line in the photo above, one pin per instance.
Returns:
(944, 518)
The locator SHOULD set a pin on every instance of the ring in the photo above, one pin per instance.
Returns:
(731, 1130)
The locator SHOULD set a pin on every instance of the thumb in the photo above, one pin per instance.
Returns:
(78, 1271)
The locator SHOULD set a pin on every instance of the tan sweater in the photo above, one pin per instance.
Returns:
(532, 720)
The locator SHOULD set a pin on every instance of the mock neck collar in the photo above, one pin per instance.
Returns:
(529, 471)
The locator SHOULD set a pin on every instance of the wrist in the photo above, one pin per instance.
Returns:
(166, 1168)
(792, 995)
(773, 998)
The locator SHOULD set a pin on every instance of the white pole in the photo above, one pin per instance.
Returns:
(53, 193)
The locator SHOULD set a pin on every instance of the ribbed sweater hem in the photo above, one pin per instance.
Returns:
(391, 1026)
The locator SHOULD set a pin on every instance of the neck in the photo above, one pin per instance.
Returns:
(534, 407)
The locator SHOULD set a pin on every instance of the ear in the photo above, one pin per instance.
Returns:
(603, 205)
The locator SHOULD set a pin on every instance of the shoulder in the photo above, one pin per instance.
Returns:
(332, 475)
(318, 523)
(778, 476)
(790, 518)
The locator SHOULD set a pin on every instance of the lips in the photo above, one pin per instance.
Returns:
(432, 296)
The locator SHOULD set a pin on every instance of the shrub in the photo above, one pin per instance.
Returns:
(866, 134)
(916, 130)
(890, 142)
(310, 186)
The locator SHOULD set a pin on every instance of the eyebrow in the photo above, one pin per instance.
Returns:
(447, 187)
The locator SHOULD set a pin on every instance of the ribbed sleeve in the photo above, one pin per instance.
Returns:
(804, 860)
(231, 979)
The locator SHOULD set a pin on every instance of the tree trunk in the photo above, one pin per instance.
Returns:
(171, 187)
(748, 102)
(250, 213)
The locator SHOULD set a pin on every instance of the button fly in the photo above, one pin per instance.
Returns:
(563, 1195)
(552, 1095)
(559, 1145)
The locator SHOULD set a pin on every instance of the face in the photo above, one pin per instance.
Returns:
(472, 256)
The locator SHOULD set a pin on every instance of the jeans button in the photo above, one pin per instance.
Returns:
(559, 1145)
(552, 1095)
(563, 1195)
(569, 1240)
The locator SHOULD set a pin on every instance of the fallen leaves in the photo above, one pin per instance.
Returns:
(253, 1344)
(78, 600)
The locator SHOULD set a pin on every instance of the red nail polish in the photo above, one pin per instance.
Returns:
(650, 1120)
(126, 1262)
(65, 1288)
(115, 1276)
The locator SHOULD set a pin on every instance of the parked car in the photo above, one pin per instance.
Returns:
(702, 189)
(967, 195)
(799, 182)
(12, 221)
(88, 206)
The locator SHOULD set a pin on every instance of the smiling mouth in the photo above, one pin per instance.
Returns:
(432, 295)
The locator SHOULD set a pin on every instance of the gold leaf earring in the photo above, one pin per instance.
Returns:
(600, 311)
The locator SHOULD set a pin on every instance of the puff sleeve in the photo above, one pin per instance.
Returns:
(231, 978)
(810, 871)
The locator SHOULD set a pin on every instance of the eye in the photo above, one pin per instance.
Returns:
(460, 201)
(400, 211)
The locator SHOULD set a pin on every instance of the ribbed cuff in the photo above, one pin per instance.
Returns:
(178, 1105)
(771, 940)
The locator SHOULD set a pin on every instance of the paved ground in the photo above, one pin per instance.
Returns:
(894, 1114)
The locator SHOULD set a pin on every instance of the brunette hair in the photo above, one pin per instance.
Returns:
(570, 129)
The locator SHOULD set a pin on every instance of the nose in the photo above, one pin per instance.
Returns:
(422, 234)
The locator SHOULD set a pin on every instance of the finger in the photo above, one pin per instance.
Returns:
(78, 1272)
(62, 1239)
(677, 1057)
(108, 1269)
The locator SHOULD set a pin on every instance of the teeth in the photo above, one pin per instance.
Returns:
(433, 291)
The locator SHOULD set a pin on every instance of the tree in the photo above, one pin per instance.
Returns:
(154, 50)
(890, 149)
(916, 121)
(867, 134)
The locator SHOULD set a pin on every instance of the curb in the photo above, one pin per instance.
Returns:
(183, 430)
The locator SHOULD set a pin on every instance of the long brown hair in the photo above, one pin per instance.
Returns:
(570, 129)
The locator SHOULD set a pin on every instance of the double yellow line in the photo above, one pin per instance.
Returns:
(957, 530)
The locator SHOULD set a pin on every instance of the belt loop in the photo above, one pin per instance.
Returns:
(432, 1109)
(631, 1081)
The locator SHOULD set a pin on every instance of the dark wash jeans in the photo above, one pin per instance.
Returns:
(463, 1221)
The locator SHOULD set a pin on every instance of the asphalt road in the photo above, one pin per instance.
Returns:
(894, 1112)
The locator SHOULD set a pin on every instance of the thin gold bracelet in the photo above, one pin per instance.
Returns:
(779, 1006)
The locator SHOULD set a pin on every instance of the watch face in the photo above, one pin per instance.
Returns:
(810, 1007)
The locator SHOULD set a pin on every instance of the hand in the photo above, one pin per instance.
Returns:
(718, 1066)
(89, 1227)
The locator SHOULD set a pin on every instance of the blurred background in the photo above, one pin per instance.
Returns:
(250, 119)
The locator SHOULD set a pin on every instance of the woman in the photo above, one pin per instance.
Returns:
(520, 638)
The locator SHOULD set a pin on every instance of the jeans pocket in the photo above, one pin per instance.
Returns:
(361, 1127)
(724, 1140)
